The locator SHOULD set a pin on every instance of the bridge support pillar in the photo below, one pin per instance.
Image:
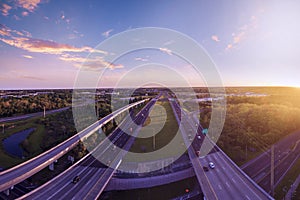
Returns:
(7, 192)
(71, 158)
(51, 167)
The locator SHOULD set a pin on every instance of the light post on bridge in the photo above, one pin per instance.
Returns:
(284, 189)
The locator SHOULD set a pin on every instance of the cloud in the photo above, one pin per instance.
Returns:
(5, 9)
(141, 59)
(237, 38)
(45, 46)
(32, 77)
(29, 5)
(215, 38)
(168, 42)
(229, 46)
(166, 50)
(62, 16)
(16, 17)
(25, 13)
(242, 33)
(4, 31)
(27, 56)
(26, 33)
(107, 33)
(92, 64)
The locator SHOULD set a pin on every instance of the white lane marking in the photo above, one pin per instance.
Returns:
(247, 197)
(220, 187)
(239, 177)
(227, 184)
(233, 180)
(68, 183)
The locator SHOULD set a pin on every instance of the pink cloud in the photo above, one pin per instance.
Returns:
(5, 9)
(4, 31)
(166, 50)
(215, 38)
(91, 64)
(32, 77)
(29, 5)
(45, 46)
(27, 56)
(141, 59)
(229, 46)
(237, 38)
(25, 13)
(107, 33)
(242, 33)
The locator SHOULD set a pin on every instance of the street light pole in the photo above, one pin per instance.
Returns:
(153, 139)
(246, 152)
(44, 111)
(272, 170)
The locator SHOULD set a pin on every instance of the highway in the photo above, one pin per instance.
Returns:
(226, 181)
(204, 182)
(94, 175)
(286, 153)
(281, 168)
(19, 173)
(31, 115)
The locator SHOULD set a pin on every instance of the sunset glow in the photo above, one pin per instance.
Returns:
(44, 43)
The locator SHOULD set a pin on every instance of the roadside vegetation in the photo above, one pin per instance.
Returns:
(17, 105)
(52, 130)
(166, 131)
(283, 187)
(254, 123)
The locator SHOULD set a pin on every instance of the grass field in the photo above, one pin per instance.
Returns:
(158, 130)
(286, 182)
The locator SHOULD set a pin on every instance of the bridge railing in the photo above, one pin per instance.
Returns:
(241, 171)
(17, 174)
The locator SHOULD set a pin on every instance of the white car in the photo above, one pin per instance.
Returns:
(211, 165)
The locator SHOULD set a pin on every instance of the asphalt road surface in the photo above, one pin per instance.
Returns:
(94, 175)
(37, 114)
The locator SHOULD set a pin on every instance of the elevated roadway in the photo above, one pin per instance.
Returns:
(94, 175)
(19, 173)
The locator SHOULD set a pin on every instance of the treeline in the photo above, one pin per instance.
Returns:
(252, 124)
(58, 127)
(11, 106)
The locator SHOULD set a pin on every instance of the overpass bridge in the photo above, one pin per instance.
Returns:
(94, 175)
(19, 173)
(227, 181)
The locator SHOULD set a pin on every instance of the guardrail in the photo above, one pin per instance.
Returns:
(241, 171)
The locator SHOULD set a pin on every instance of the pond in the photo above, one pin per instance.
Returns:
(12, 143)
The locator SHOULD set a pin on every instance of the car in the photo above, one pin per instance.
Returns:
(76, 179)
(211, 165)
(199, 137)
(205, 168)
(198, 153)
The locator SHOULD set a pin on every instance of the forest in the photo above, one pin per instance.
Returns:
(253, 123)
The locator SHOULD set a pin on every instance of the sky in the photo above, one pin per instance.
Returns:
(43, 43)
